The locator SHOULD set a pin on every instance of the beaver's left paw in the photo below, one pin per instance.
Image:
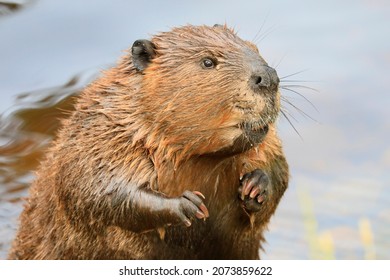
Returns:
(254, 189)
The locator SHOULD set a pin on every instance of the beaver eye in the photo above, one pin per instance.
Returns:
(208, 63)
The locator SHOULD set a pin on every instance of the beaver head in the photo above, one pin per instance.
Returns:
(205, 91)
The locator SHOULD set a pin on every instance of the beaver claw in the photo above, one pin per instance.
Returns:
(191, 206)
(253, 190)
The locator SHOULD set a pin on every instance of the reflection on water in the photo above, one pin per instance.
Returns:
(24, 136)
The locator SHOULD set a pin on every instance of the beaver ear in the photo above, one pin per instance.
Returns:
(142, 53)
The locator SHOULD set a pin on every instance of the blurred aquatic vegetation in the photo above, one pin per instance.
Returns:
(322, 244)
(367, 239)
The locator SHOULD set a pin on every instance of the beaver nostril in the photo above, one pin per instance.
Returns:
(263, 76)
(258, 80)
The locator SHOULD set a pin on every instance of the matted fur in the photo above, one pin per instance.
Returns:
(138, 137)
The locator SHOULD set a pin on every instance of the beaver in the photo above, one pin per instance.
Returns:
(171, 154)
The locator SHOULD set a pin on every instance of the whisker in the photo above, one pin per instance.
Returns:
(280, 61)
(301, 95)
(288, 112)
(299, 110)
(292, 85)
(301, 86)
(296, 81)
(261, 28)
(293, 74)
(265, 35)
(284, 114)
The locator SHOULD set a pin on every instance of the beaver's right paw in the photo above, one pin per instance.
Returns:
(189, 206)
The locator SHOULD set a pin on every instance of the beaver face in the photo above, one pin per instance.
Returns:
(209, 90)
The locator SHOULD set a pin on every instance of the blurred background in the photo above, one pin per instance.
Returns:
(335, 60)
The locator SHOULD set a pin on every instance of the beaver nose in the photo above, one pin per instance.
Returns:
(264, 76)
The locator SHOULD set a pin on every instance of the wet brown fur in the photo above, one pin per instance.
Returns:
(156, 131)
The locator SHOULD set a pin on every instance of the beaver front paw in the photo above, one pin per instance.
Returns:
(189, 206)
(254, 189)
